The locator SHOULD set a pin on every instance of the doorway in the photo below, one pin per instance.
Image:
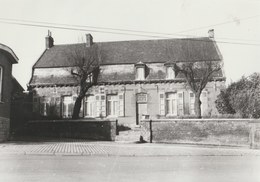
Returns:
(141, 107)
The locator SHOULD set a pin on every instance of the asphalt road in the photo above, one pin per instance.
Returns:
(27, 168)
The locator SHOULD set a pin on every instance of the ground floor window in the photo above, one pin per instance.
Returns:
(89, 106)
(192, 101)
(67, 106)
(171, 104)
(112, 105)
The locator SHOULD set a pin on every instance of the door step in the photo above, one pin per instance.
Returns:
(132, 135)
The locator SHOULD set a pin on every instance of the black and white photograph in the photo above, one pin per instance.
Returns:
(129, 90)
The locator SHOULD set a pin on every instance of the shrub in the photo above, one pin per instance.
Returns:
(241, 97)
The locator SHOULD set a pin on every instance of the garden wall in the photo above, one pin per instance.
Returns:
(4, 129)
(235, 132)
(80, 129)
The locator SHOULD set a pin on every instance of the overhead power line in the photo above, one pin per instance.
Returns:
(93, 27)
(161, 34)
(218, 24)
(113, 32)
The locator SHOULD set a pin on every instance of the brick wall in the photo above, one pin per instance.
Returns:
(4, 128)
(5, 104)
(236, 132)
(130, 90)
(82, 129)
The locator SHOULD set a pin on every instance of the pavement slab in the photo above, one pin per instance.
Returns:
(120, 149)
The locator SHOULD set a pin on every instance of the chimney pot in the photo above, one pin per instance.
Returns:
(89, 40)
(211, 33)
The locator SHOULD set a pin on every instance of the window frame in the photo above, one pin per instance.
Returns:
(168, 76)
(174, 104)
(89, 103)
(142, 76)
(114, 101)
(140, 73)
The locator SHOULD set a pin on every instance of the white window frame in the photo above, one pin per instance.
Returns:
(1, 83)
(89, 109)
(65, 112)
(114, 101)
(170, 73)
(140, 73)
(173, 104)
(191, 102)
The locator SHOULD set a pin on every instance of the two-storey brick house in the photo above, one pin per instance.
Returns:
(135, 79)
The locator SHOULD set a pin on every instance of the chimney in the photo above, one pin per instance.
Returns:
(89, 40)
(49, 40)
(211, 33)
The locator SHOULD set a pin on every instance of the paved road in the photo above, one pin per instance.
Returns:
(109, 161)
(31, 168)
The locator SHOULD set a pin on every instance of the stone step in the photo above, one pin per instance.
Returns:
(128, 135)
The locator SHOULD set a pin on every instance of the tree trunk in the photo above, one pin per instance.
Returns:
(77, 107)
(197, 105)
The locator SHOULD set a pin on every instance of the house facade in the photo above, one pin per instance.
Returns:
(7, 59)
(136, 80)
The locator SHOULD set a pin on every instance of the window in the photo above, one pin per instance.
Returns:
(1, 82)
(192, 101)
(44, 105)
(140, 70)
(90, 78)
(171, 104)
(101, 89)
(140, 73)
(89, 106)
(112, 105)
(67, 107)
(170, 73)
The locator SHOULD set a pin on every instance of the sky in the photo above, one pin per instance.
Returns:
(236, 24)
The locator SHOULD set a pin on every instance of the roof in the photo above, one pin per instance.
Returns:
(131, 52)
(9, 52)
(53, 80)
(16, 85)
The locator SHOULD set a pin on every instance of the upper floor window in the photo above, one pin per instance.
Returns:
(1, 82)
(140, 71)
(90, 78)
(170, 73)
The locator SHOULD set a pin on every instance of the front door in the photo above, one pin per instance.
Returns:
(141, 107)
(141, 112)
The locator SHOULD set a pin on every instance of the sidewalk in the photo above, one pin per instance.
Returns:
(86, 148)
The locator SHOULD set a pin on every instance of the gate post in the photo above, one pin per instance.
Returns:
(151, 131)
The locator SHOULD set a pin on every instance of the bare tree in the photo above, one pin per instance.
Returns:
(85, 70)
(197, 75)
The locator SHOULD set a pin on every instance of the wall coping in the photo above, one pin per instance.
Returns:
(204, 120)
(72, 120)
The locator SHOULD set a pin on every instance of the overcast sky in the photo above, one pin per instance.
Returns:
(236, 24)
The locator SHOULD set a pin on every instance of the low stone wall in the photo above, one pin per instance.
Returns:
(80, 129)
(4, 128)
(255, 134)
(235, 132)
